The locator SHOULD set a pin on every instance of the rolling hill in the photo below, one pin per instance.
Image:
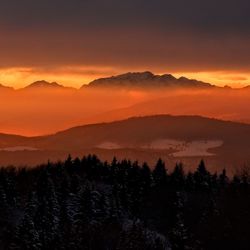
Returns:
(174, 138)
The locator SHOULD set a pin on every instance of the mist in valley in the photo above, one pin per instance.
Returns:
(40, 112)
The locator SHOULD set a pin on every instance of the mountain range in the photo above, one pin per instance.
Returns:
(145, 80)
(38, 85)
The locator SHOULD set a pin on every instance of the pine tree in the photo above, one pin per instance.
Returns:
(179, 236)
(83, 219)
(4, 207)
(190, 182)
(202, 177)
(132, 238)
(47, 216)
(146, 179)
(178, 176)
(160, 173)
(26, 235)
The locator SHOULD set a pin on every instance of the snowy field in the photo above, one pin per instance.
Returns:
(181, 148)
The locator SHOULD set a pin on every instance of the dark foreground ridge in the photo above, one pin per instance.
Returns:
(89, 204)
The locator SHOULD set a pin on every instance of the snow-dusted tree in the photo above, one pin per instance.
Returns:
(47, 216)
(26, 235)
(179, 236)
(3, 204)
(202, 177)
(135, 236)
(82, 218)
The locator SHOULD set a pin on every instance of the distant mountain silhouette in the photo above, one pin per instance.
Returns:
(147, 80)
(44, 84)
(133, 80)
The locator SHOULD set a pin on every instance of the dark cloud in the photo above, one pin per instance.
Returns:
(223, 15)
(144, 33)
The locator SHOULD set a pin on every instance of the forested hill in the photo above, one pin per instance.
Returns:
(89, 204)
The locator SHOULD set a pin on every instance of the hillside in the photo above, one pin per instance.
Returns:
(142, 130)
(186, 138)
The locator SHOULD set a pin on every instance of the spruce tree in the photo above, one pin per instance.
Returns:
(160, 173)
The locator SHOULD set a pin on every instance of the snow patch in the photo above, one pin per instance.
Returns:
(165, 144)
(185, 149)
(198, 148)
(181, 148)
(109, 145)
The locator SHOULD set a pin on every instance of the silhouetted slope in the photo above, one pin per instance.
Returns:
(141, 130)
(7, 140)
(136, 138)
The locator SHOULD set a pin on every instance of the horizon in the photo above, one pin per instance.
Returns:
(222, 81)
(14, 78)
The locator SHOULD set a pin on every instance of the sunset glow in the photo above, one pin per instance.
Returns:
(67, 76)
(124, 124)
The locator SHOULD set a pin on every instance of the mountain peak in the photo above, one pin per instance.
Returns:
(44, 84)
(135, 76)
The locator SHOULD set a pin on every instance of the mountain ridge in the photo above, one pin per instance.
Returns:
(147, 80)
(129, 80)
(44, 84)
(157, 117)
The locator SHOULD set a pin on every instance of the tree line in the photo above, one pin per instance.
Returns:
(90, 204)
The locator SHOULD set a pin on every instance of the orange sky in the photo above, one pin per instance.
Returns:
(74, 42)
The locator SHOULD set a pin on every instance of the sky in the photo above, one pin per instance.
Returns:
(76, 41)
